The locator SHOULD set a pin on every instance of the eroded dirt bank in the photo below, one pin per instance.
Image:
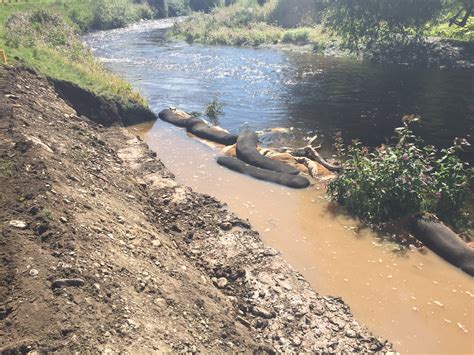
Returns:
(101, 250)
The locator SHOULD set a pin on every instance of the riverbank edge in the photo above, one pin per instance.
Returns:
(183, 238)
(69, 60)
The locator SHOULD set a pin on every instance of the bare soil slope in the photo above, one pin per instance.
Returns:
(101, 250)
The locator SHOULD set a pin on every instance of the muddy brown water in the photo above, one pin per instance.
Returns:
(416, 300)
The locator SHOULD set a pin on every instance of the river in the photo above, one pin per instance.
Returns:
(416, 300)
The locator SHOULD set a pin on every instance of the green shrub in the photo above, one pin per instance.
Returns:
(144, 12)
(214, 109)
(109, 14)
(319, 46)
(178, 7)
(38, 27)
(298, 36)
(407, 178)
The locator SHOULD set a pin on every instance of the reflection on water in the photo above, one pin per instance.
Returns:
(267, 88)
(418, 301)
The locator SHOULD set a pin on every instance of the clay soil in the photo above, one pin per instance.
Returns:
(102, 251)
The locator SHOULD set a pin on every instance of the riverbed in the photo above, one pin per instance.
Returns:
(413, 298)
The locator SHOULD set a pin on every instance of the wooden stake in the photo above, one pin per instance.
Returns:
(3, 56)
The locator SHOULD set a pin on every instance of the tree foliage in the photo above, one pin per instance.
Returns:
(369, 22)
(205, 5)
(167, 8)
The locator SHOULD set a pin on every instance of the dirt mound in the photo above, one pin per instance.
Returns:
(101, 250)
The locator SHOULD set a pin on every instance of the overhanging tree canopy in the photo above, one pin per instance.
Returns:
(367, 22)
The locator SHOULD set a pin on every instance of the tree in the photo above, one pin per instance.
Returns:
(463, 10)
(205, 5)
(370, 22)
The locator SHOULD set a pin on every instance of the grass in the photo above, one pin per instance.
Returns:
(64, 56)
(7, 167)
(46, 213)
(296, 35)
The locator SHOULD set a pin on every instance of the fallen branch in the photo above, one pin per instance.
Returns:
(311, 153)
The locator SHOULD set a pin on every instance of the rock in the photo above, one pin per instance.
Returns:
(296, 341)
(63, 219)
(350, 333)
(67, 283)
(243, 321)
(72, 178)
(156, 243)
(261, 312)
(42, 227)
(18, 224)
(38, 142)
(176, 228)
(34, 272)
(227, 226)
(221, 282)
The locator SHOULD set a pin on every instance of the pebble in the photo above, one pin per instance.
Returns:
(350, 333)
(67, 283)
(73, 178)
(156, 243)
(63, 219)
(296, 341)
(18, 224)
(243, 321)
(221, 282)
(261, 312)
(33, 272)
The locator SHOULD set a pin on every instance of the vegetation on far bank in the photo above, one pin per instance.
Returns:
(404, 179)
(246, 22)
(356, 24)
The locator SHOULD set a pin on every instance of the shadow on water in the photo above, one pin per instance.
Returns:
(366, 101)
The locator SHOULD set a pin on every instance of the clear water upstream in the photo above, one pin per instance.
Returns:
(416, 300)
